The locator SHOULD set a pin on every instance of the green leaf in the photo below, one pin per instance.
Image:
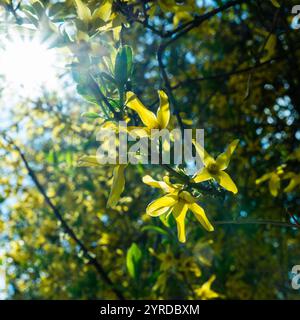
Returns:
(156, 229)
(39, 9)
(108, 77)
(123, 65)
(115, 104)
(87, 94)
(91, 115)
(133, 260)
(56, 9)
(164, 218)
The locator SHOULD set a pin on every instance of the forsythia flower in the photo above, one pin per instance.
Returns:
(274, 180)
(118, 178)
(149, 119)
(294, 182)
(214, 169)
(177, 202)
(205, 292)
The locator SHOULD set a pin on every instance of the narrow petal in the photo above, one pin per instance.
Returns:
(226, 182)
(263, 178)
(161, 205)
(172, 186)
(148, 117)
(186, 196)
(155, 183)
(179, 212)
(163, 112)
(202, 175)
(292, 185)
(117, 186)
(274, 184)
(224, 158)
(160, 212)
(204, 156)
(83, 12)
(201, 216)
(104, 11)
(205, 292)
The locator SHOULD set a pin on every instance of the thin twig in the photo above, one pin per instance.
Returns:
(261, 222)
(92, 260)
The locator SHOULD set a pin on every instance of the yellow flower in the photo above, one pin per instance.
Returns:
(214, 168)
(118, 183)
(205, 292)
(103, 12)
(149, 119)
(177, 202)
(274, 180)
(294, 182)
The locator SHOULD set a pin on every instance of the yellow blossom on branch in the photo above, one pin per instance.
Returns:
(177, 201)
(214, 168)
(118, 183)
(149, 119)
(205, 292)
(274, 180)
(294, 181)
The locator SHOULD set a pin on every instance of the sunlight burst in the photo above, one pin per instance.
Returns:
(27, 65)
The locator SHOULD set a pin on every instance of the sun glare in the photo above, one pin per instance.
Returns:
(28, 66)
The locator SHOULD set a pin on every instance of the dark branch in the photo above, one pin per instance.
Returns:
(262, 222)
(93, 261)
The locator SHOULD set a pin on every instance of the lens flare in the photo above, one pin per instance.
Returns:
(27, 65)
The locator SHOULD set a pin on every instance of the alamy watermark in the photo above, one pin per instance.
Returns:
(123, 145)
(296, 277)
(296, 19)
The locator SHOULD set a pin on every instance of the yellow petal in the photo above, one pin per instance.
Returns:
(104, 11)
(205, 292)
(109, 125)
(166, 211)
(155, 183)
(201, 216)
(224, 158)
(116, 32)
(163, 112)
(83, 12)
(204, 156)
(88, 161)
(226, 182)
(148, 117)
(161, 205)
(274, 184)
(202, 175)
(186, 196)
(263, 178)
(179, 212)
(292, 185)
(117, 185)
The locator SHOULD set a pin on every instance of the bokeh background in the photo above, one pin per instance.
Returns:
(236, 75)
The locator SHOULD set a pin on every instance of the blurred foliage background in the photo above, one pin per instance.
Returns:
(234, 72)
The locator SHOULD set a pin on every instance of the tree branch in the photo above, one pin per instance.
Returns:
(92, 260)
(261, 222)
(189, 26)
(198, 20)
